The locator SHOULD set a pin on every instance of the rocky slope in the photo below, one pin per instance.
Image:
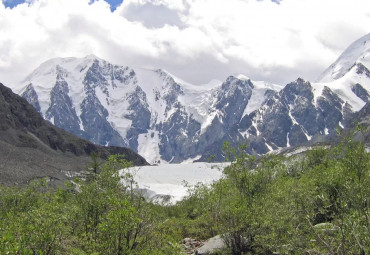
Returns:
(31, 147)
(168, 120)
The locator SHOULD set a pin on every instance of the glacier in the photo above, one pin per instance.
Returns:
(173, 180)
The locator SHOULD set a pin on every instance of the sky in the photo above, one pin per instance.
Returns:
(196, 40)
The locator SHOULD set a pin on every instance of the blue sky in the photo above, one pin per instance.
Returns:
(12, 3)
(113, 3)
(197, 40)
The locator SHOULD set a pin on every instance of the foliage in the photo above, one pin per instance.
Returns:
(100, 214)
(311, 203)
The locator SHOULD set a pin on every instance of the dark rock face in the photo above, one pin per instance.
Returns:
(140, 117)
(278, 118)
(31, 147)
(300, 101)
(171, 92)
(94, 119)
(274, 121)
(363, 115)
(61, 110)
(361, 69)
(361, 92)
(296, 135)
(232, 99)
(177, 136)
(178, 131)
(31, 96)
(330, 105)
(93, 114)
(292, 117)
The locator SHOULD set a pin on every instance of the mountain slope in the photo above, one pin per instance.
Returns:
(357, 52)
(31, 147)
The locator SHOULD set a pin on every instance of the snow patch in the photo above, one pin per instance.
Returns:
(258, 95)
(149, 147)
(242, 77)
(292, 118)
(317, 89)
(287, 140)
(309, 137)
(269, 147)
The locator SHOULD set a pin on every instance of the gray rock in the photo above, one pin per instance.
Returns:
(61, 110)
(140, 116)
(291, 116)
(361, 69)
(232, 99)
(211, 245)
(31, 96)
(361, 92)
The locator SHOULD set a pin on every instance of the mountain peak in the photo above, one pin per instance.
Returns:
(91, 56)
(301, 80)
(242, 77)
(359, 52)
(239, 77)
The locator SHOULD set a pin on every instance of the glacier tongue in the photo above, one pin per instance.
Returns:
(170, 179)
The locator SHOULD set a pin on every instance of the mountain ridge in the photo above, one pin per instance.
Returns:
(166, 119)
(357, 51)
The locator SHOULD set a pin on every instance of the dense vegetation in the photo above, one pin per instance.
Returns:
(316, 203)
(96, 215)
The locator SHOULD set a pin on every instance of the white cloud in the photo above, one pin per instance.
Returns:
(152, 14)
(197, 40)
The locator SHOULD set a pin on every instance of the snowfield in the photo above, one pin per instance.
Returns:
(170, 179)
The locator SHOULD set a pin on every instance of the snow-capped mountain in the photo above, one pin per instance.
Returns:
(358, 52)
(349, 75)
(150, 111)
(302, 109)
(166, 119)
(295, 114)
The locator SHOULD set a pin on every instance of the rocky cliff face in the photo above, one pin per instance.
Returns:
(166, 119)
(293, 115)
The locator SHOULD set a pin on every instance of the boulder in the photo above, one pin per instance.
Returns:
(211, 245)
